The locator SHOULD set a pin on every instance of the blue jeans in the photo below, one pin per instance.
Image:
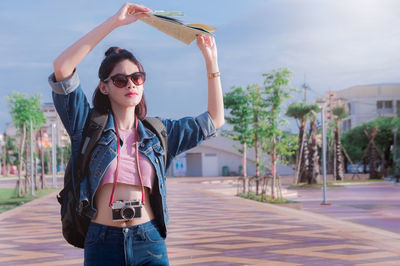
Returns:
(140, 244)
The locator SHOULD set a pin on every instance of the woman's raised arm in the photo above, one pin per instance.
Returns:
(215, 99)
(65, 63)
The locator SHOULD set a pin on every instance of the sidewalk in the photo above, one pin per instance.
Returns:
(209, 226)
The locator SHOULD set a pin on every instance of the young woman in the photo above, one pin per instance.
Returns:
(124, 192)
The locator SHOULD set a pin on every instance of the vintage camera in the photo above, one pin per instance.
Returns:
(123, 210)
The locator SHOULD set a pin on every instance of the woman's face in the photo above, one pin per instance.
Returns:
(128, 96)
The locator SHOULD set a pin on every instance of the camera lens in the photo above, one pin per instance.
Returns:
(127, 212)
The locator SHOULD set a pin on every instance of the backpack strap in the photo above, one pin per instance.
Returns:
(158, 128)
(91, 134)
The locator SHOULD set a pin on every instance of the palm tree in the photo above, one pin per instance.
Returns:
(339, 113)
(300, 112)
(313, 158)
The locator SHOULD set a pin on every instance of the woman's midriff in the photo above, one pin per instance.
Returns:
(122, 192)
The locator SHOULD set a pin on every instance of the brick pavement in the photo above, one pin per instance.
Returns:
(211, 227)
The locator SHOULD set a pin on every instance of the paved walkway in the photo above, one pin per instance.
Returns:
(374, 203)
(209, 226)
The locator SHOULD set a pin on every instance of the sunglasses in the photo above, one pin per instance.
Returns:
(121, 80)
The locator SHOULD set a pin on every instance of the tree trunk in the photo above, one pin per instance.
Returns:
(41, 152)
(244, 163)
(273, 167)
(373, 160)
(27, 180)
(257, 163)
(20, 155)
(365, 166)
(313, 169)
(334, 159)
(4, 167)
(304, 166)
(299, 155)
(339, 157)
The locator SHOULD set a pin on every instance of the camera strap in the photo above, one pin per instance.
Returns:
(137, 162)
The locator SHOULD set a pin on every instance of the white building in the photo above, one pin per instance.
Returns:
(368, 102)
(217, 157)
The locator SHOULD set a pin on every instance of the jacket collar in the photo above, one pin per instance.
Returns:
(144, 133)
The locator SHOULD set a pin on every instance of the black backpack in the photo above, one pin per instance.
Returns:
(74, 225)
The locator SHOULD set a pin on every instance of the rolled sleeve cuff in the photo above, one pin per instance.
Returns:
(206, 125)
(65, 86)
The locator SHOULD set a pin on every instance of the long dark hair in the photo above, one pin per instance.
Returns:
(113, 56)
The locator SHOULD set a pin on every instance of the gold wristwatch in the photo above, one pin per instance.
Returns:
(213, 75)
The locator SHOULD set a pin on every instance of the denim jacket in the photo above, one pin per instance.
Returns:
(183, 134)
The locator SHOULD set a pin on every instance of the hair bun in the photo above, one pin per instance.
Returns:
(113, 50)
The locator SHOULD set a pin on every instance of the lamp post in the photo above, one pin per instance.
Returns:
(53, 149)
(321, 103)
(395, 143)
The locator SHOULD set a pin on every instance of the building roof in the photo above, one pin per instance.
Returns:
(371, 91)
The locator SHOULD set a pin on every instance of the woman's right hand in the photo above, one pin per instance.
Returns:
(129, 13)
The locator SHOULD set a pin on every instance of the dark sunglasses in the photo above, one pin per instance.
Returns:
(121, 80)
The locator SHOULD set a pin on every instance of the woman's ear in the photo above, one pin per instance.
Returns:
(103, 88)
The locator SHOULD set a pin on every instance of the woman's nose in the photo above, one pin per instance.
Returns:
(130, 83)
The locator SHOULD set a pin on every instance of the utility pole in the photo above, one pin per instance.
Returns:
(305, 87)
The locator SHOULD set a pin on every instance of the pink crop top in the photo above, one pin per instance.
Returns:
(127, 172)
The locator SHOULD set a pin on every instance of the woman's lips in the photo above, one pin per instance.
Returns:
(131, 94)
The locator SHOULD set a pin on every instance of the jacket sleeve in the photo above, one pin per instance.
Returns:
(71, 103)
(188, 132)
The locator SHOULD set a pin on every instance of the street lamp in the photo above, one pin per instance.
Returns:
(321, 103)
(53, 149)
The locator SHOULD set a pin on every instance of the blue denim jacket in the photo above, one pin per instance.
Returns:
(183, 134)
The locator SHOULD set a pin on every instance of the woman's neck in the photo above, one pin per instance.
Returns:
(124, 117)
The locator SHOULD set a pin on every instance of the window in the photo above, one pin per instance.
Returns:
(346, 125)
(398, 108)
(349, 105)
(384, 107)
(388, 104)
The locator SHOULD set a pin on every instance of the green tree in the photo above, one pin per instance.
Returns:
(24, 109)
(275, 91)
(372, 142)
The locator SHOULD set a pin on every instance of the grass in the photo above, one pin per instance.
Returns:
(9, 197)
(268, 199)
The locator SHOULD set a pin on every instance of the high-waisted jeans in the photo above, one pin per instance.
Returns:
(140, 244)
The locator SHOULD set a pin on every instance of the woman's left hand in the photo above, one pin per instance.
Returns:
(207, 46)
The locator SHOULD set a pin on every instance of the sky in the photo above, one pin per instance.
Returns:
(329, 44)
